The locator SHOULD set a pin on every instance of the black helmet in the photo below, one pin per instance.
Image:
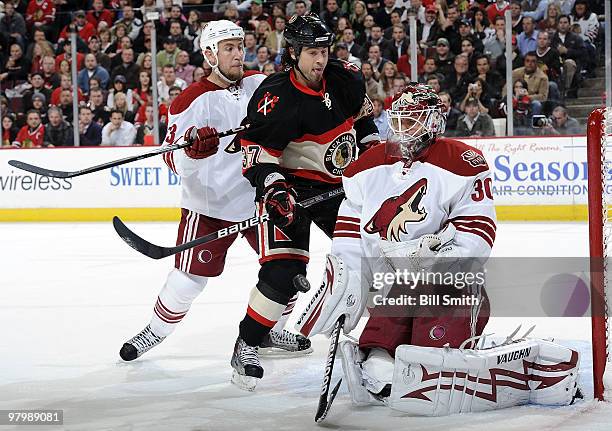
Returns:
(307, 31)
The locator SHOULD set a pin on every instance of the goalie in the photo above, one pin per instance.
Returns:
(416, 202)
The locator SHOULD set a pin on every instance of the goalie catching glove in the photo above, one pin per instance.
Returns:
(340, 294)
(204, 142)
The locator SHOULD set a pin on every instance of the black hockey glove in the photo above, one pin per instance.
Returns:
(279, 199)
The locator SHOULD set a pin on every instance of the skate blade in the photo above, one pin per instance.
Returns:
(271, 352)
(246, 383)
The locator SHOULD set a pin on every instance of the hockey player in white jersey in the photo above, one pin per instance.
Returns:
(214, 192)
(412, 204)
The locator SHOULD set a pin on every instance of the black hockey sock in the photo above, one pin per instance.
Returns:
(253, 332)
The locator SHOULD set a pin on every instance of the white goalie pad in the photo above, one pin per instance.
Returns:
(339, 293)
(431, 381)
(352, 362)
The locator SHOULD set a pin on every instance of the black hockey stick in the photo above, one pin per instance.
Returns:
(325, 401)
(158, 252)
(66, 174)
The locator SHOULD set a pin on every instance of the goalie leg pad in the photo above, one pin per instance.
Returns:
(352, 360)
(441, 381)
(378, 370)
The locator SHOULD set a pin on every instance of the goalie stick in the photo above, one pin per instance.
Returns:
(153, 251)
(67, 174)
(325, 401)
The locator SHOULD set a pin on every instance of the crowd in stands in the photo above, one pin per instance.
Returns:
(461, 54)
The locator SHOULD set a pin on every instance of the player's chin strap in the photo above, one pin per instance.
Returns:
(215, 69)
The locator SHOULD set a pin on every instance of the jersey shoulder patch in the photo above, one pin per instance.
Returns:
(377, 156)
(456, 157)
(191, 93)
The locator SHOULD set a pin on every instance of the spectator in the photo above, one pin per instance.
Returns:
(84, 28)
(12, 24)
(40, 14)
(37, 83)
(516, 13)
(467, 49)
(198, 74)
(118, 133)
(120, 103)
(90, 132)
(262, 31)
(38, 52)
(450, 28)
(528, 39)
(269, 69)
(549, 23)
(375, 58)
(434, 82)
(385, 82)
(124, 43)
(120, 86)
(332, 14)
(562, 124)
(548, 58)
(480, 23)
(399, 85)
(399, 44)
(92, 69)
(100, 13)
(521, 107)
(52, 79)
(58, 133)
(106, 43)
(65, 84)
(163, 107)
(341, 52)
(275, 40)
(348, 38)
(537, 81)
(168, 80)
(477, 91)
(176, 32)
(429, 31)
(357, 16)
(370, 82)
(94, 48)
(65, 105)
(376, 38)
(16, 67)
(534, 9)
(517, 59)
(142, 95)
(263, 58)
(452, 113)
(94, 84)
(396, 19)
(381, 119)
(571, 51)
(144, 134)
(39, 104)
(127, 68)
(473, 122)
(589, 29)
(145, 62)
(298, 7)
(143, 35)
(194, 24)
(183, 69)
(66, 47)
(250, 49)
(498, 8)
(456, 82)
(465, 33)
(256, 14)
(169, 53)
(493, 80)
(130, 21)
(495, 43)
(99, 109)
(9, 130)
(31, 135)
(429, 69)
(444, 58)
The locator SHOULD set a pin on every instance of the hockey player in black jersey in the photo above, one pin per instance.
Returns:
(307, 125)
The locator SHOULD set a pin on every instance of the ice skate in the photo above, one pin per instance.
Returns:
(285, 343)
(246, 365)
(141, 343)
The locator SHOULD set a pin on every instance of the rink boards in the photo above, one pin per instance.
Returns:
(534, 178)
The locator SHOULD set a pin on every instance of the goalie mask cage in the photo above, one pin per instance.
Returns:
(599, 158)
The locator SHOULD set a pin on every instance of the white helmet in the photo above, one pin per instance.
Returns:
(215, 32)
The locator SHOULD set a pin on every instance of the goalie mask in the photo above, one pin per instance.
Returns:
(416, 118)
(215, 32)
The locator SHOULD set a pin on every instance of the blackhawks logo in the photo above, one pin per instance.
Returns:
(340, 153)
(267, 103)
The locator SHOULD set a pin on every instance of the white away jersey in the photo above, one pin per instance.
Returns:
(450, 182)
(213, 186)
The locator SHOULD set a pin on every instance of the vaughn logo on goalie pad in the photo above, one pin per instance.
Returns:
(513, 356)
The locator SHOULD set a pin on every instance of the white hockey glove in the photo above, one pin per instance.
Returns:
(419, 254)
(340, 293)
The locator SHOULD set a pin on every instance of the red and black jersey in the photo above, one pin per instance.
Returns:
(304, 134)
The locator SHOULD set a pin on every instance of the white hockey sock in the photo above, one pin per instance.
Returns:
(280, 324)
(174, 300)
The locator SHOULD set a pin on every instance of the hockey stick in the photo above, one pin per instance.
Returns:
(325, 402)
(67, 174)
(158, 252)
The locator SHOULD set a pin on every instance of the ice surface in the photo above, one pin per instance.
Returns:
(71, 294)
